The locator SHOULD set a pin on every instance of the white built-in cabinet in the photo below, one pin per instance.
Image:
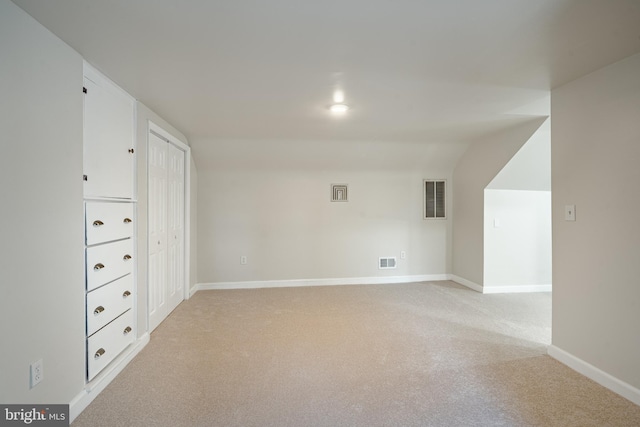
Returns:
(109, 137)
(166, 163)
(110, 219)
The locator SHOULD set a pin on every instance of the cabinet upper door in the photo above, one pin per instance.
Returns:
(109, 155)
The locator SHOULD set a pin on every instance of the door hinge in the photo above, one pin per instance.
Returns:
(84, 90)
(84, 178)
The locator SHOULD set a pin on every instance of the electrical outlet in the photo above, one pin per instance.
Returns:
(403, 255)
(37, 373)
(243, 260)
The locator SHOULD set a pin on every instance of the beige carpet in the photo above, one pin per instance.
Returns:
(419, 354)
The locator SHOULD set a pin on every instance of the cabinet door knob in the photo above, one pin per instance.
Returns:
(99, 266)
(126, 330)
(99, 309)
(126, 294)
(127, 257)
(97, 223)
(99, 353)
(131, 150)
(127, 220)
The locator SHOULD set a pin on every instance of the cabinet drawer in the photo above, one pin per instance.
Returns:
(108, 221)
(108, 302)
(108, 342)
(108, 262)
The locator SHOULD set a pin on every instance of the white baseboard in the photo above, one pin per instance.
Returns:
(320, 282)
(369, 281)
(515, 289)
(92, 389)
(604, 379)
(464, 282)
(499, 289)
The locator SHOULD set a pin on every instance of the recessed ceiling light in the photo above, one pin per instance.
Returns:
(338, 96)
(339, 108)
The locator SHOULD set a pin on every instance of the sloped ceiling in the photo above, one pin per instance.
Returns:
(530, 168)
(431, 70)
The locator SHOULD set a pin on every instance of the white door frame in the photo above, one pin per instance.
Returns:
(163, 134)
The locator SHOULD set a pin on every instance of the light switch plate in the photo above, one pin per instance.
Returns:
(570, 212)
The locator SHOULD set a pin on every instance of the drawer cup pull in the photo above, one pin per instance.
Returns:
(99, 354)
(126, 294)
(97, 223)
(126, 330)
(99, 266)
(127, 221)
(99, 309)
(127, 257)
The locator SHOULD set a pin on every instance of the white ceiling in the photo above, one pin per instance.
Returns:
(412, 70)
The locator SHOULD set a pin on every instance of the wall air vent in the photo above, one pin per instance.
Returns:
(339, 193)
(387, 263)
(434, 199)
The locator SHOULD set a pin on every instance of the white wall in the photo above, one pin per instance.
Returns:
(517, 250)
(530, 168)
(42, 253)
(479, 165)
(596, 268)
(517, 240)
(270, 201)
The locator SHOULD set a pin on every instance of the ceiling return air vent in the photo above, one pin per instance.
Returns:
(387, 263)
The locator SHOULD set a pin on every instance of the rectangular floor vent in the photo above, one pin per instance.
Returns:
(386, 263)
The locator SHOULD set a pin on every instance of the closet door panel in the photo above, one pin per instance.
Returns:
(158, 255)
(175, 237)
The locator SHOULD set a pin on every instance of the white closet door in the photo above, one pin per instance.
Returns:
(158, 166)
(166, 229)
(175, 238)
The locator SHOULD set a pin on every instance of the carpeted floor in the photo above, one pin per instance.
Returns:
(419, 354)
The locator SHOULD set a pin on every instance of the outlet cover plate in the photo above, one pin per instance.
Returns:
(37, 373)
